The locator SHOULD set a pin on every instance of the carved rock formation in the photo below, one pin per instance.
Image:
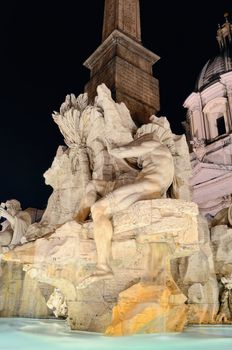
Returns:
(66, 257)
(141, 288)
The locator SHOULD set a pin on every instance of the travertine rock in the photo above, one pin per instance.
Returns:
(195, 275)
(67, 256)
(21, 296)
(148, 308)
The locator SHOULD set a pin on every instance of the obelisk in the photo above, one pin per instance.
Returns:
(122, 63)
(124, 16)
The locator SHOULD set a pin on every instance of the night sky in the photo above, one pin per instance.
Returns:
(43, 46)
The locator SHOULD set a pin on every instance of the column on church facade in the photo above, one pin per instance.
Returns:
(226, 80)
(197, 123)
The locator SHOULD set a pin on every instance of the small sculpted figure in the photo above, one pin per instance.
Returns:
(225, 311)
(153, 149)
(15, 225)
(199, 148)
(57, 303)
(223, 217)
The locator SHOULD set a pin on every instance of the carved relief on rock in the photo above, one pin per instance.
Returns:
(123, 177)
(57, 303)
(225, 310)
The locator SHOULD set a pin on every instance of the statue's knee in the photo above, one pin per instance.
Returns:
(149, 187)
(98, 211)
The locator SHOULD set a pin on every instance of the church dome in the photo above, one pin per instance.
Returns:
(211, 71)
(221, 63)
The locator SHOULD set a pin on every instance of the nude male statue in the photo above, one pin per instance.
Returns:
(153, 148)
(108, 172)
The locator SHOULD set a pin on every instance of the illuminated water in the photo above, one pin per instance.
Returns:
(29, 334)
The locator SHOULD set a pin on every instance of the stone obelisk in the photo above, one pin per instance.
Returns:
(122, 63)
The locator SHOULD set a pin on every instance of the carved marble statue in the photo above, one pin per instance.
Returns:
(152, 149)
(69, 172)
(122, 176)
(198, 148)
(57, 303)
(16, 223)
(107, 171)
(223, 217)
(225, 311)
(85, 169)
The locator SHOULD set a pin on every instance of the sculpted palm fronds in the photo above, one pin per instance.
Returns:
(68, 119)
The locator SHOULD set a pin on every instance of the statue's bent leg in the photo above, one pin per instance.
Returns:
(102, 212)
(102, 235)
(103, 232)
(5, 238)
(87, 201)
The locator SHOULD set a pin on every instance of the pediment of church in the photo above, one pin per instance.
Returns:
(203, 172)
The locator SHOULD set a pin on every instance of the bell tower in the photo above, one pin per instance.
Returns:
(122, 63)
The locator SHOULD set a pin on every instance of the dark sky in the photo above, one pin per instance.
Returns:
(43, 46)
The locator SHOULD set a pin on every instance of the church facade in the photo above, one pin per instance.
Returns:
(209, 128)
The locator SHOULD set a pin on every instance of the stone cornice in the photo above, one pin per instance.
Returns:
(212, 166)
(117, 37)
(206, 191)
(192, 101)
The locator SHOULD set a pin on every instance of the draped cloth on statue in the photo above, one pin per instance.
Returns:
(22, 221)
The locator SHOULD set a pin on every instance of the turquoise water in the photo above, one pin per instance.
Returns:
(30, 334)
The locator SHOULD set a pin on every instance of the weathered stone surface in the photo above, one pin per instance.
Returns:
(125, 66)
(148, 308)
(20, 295)
(123, 15)
(195, 275)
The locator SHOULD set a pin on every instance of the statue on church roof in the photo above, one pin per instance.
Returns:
(198, 148)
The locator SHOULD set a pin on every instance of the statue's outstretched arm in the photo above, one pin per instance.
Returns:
(7, 216)
(136, 150)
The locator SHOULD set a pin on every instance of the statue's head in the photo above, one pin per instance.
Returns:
(159, 127)
(60, 170)
(13, 206)
(227, 281)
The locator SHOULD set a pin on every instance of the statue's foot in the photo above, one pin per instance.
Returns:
(98, 275)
